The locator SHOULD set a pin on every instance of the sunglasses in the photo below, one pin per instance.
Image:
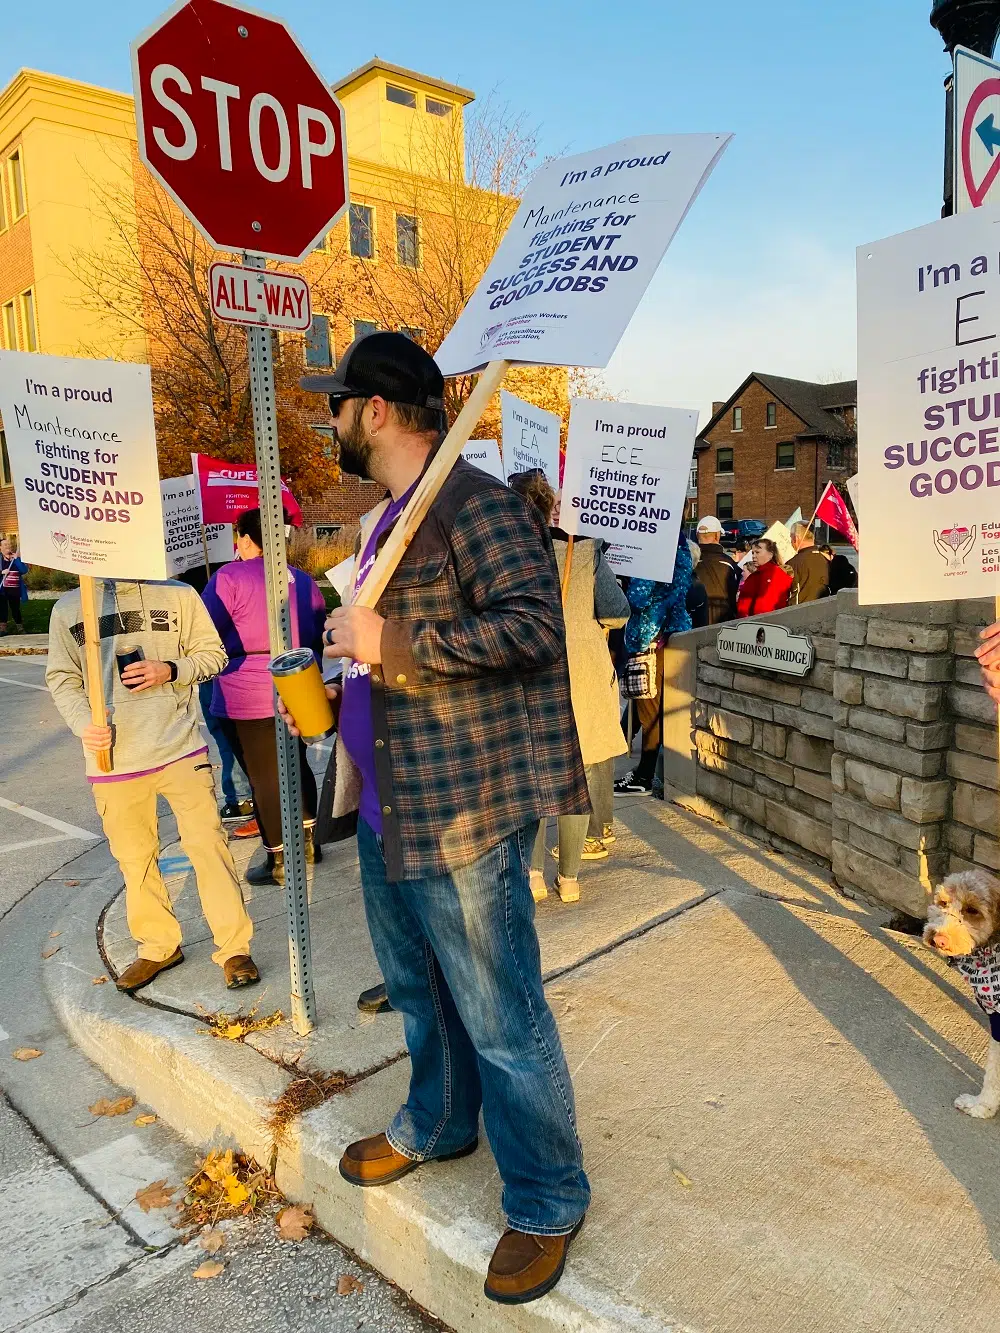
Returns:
(337, 400)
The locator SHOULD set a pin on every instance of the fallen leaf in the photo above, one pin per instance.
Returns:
(144, 1120)
(210, 1268)
(212, 1241)
(155, 1196)
(71, 883)
(54, 933)
(347, 1285)
(98, 981)
(233, 1031)
(682, 1179)
(47, 953)
(104, 1106)
(236, 1191)
(26, 1053)
(294, 1222)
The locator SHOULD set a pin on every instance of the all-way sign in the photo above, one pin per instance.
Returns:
(254, 296)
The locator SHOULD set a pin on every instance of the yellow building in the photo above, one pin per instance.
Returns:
(67, 147)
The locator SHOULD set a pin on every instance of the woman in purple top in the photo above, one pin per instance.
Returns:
(243, 695)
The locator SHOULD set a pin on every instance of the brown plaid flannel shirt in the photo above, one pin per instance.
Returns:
(471, 702)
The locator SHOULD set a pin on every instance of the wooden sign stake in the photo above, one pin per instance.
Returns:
(429, 485)
(95, 674)
(567, 568)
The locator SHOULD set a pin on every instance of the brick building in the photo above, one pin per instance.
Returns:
(773, 446)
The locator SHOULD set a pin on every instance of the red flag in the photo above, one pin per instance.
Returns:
(227, 489)
(832, 510)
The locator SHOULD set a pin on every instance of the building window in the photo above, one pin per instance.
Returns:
(326, 532)
(737, 418)
(772, 416)
(401, 96)
(838, 454)
(28, 321)
(362, 232)
(724, 460)
(319, 352)
(784, 456)
(693, 478)
(326, 434)
(363, 327)
(724, 505)
(9, 327)
(407, 241)
(3, 210)
(414, 334)
(18, 197)
(435, 108)
(6, 478)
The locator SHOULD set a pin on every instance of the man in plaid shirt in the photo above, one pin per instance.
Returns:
(456, 735)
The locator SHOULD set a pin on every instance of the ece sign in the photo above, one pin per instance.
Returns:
(772, 647)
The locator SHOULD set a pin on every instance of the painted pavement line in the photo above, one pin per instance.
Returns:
(33, 842)
(4, 1035)
(70, 830)
(25, 684)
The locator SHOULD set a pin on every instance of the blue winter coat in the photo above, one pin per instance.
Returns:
(659, 609)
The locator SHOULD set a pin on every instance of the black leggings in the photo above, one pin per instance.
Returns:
(255, 746)
(10, 607)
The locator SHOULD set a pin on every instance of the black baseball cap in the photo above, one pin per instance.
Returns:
(388, 364)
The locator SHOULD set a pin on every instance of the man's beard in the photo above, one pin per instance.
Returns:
(355, 449)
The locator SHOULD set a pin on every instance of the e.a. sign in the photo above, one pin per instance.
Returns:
(240, 128)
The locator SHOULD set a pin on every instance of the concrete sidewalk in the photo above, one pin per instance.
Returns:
(764, 1078)
(24, 645)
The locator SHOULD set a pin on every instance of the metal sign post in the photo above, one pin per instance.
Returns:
(272, 524)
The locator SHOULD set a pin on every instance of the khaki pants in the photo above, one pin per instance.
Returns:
(128, 811)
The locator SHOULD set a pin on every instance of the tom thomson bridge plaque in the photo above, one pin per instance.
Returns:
(773, 647)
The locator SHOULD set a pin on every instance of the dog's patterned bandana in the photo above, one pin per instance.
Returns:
(981, 969)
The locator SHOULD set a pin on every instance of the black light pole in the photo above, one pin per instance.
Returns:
(971, 23)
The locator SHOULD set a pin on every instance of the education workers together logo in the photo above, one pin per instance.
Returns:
(954, 544)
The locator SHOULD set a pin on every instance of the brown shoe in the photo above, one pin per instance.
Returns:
(374, 1161)
(525, 1266)
(240, 971)
(143, 970)
(251, 829)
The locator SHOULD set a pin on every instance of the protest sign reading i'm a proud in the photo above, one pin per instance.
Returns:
(929, 411)
(182, 529)
(530, 438)
(626, 476)
(485, 455)
(82, 449)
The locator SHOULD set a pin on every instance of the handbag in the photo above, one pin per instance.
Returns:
(638, 679)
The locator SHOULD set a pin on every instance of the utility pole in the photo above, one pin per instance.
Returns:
(971, 23)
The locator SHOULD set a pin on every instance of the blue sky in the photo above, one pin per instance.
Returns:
(837, 111)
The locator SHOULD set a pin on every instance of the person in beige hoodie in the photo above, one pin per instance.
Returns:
(157, 749)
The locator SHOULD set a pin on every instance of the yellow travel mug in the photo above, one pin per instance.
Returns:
(297, 679)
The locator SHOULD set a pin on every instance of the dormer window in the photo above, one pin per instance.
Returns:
(401, 96)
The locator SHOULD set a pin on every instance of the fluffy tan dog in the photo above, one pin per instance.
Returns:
(963, 925)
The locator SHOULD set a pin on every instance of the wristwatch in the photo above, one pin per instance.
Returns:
(173, 671)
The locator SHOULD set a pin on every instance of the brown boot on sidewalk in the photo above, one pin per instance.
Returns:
(240, 971)
(143, 970)
(525, 1266)
(374, 1161)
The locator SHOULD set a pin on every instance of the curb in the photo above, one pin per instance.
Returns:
(419, 1233)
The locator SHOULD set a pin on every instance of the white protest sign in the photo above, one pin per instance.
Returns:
(83, 453)
(530, 438)
(586, 240)
(852, 490)
(626, 478)
(485, 454)
(929, 411)
(182, 528)
(340, 575)
(782, 538)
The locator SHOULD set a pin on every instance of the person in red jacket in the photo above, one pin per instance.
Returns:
(767, 583)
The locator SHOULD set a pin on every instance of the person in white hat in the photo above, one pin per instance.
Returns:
(717, 571)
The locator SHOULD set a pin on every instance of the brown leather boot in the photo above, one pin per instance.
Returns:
(143, 970)
(525, 1266)
(374, 1161)
(240, 971)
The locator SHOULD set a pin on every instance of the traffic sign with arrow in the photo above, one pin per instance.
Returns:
(977, 133)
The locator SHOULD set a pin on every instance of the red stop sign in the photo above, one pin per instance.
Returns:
(238, 126)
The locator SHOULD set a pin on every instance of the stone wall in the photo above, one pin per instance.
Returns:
(881, 762)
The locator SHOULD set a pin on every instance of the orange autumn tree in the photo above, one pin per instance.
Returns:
(151, 285)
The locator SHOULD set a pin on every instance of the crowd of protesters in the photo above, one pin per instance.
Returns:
(481, 701)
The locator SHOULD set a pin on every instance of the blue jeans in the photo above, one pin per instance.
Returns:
(234, 782)
(460, 959)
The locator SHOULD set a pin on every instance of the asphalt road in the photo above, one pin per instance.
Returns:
(76, 1252)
